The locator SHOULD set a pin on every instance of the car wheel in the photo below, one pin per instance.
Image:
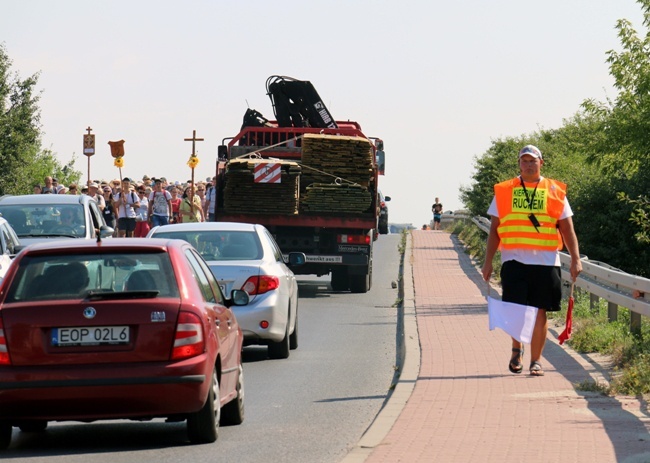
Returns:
(5, 435)
(280, 350)
(383, 228)
(233, 412)
(293, 339)
(339, 280)
(33, 426)
(203, 426)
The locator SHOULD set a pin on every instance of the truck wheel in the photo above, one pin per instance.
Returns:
(5, 435)
(339, 280)
(359, 283)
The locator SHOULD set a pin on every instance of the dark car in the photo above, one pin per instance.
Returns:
(383, 214)
(118, 329)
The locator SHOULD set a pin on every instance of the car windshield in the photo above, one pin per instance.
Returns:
(75, 276)
(45, 219)
(219, 245)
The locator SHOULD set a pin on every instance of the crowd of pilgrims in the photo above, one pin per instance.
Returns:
(135, 205)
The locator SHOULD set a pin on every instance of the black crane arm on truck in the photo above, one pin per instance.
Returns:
(296, 103)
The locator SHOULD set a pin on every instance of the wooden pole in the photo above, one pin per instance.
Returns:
(193, 140)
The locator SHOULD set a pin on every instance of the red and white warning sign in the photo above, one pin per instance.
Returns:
(267, 172)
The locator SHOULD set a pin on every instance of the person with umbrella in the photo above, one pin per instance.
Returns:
(531, 219)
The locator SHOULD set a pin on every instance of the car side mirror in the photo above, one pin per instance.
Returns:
(105, 231)
(297, 259)
(386, 198)
(239, 297)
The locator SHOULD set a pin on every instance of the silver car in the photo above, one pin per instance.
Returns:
(245, 256)
(9, 246)
(37, 218)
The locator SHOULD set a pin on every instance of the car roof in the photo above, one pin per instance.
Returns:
(112, 245)
(43, 199)
(208, 226)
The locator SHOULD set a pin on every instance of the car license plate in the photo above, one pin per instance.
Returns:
(90, 336)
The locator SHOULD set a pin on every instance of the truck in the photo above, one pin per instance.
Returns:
(311, 180)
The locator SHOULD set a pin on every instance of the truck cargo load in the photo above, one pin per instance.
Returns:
(315, 188)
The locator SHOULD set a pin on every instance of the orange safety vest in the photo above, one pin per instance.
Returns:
(516, 231)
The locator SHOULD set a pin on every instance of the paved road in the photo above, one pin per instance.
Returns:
(312, 407)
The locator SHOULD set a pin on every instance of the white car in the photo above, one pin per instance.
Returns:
(37, 218)
(9, 246)
(245, 256)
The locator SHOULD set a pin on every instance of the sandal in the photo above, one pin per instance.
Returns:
(536, 369)
(515, 365)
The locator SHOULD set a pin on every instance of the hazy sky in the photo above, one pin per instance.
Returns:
(436, 80)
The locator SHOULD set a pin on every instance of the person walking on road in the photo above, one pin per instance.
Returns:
(531, 219)
(437, 214)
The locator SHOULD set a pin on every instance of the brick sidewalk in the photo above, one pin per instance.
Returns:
(466, 406)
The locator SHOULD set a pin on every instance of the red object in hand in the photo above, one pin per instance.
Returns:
(566, 334)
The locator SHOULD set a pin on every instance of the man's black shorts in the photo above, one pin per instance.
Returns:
(126, 224)
(534, 285)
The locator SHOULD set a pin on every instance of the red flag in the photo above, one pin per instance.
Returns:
(566, 334)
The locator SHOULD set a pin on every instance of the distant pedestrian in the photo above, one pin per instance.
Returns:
(176, 203)
(48, 187)
(437, 214)
(531, 219)
(160, 205)
(93, 192)
(142, 214)
(109, 210)
(190, 209)
(126, 202)
(211, 200)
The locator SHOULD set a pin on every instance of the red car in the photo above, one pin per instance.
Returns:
(124, 328)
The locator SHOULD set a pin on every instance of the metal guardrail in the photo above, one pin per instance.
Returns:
(601, 280)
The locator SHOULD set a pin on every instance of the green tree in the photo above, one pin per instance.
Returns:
(22, 162)
(623, 151)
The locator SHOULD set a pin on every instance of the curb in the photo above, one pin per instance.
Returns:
(410, 370)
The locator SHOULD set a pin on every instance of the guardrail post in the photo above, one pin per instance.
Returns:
(593, 302)
(612, 311)
(635, 323)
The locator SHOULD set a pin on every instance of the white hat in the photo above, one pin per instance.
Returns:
(532, 150)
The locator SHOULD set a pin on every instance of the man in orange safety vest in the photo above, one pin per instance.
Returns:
(531, 220)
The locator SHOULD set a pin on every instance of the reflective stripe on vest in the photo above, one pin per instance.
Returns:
(516, 231)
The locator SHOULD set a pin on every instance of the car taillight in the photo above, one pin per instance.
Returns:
(188, 341)
(4, 354)
(353, 239)
(261, 284)
(382, 204)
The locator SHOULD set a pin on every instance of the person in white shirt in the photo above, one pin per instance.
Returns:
(126, 202)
